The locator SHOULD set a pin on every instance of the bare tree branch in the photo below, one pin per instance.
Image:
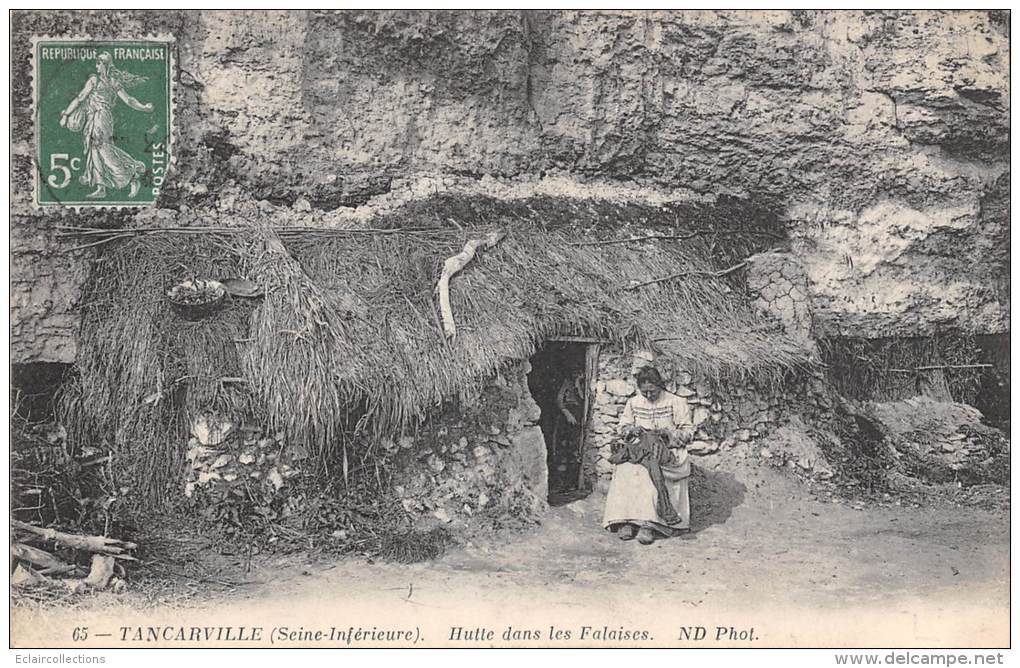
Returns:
(711, 274)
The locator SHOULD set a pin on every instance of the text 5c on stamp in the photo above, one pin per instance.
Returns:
(103, 112)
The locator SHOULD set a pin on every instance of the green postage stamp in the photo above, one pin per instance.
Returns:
(103, 112)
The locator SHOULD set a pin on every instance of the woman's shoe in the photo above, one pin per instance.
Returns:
(646, 536)
(627, 532)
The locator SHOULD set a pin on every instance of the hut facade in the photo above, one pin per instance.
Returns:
(856, 216)
(338, 357)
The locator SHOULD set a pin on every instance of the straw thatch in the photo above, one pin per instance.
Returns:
(141, 369)
(349, 331)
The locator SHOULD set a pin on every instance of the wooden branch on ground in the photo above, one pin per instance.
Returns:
(682, 274)
(62, 570)
(450, 267)
(40, 558)
(101, 544)
(26, 577)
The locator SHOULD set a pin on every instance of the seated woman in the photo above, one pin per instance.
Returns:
(655, 427)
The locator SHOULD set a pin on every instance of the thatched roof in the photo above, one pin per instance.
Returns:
(349, 326)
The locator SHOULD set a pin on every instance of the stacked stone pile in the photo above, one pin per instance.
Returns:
(239, 479)
(942, 441)
(779, 285)
(796, 445)
(487, 459)
(723, 417)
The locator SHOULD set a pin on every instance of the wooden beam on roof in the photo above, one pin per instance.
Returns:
(576, 339)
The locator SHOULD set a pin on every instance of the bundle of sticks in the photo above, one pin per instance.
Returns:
(37, 565)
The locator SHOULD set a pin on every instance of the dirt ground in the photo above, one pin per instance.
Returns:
(767, 564)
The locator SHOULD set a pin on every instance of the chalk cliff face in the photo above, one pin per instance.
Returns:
(881, 138)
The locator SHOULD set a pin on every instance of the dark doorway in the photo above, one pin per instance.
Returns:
(34, 387)
(993, 391)
(560, 381)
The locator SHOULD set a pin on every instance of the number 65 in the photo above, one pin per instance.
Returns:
(75, 164)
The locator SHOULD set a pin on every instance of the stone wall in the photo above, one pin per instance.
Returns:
(482, 460)
(479, 463)
(725, 415)
(778, 284)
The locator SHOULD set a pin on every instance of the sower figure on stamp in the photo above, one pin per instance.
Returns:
(648, 496)
(91, 113)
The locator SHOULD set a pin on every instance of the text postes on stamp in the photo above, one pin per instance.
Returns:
(103, 117)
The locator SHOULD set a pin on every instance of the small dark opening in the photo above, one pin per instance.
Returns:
(34, 387)
(993, 392)
(946, 367)
(559, 385)
(969, 369)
